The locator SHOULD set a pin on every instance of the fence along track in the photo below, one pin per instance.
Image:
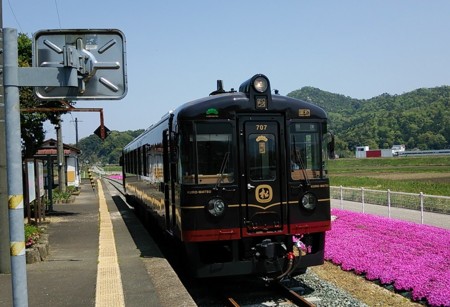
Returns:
(413, 201)
(426, 204)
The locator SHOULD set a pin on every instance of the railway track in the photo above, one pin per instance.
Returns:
(285, 293)
(293, 290)
(117, 184)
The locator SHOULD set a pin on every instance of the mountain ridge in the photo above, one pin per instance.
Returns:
(419, 118)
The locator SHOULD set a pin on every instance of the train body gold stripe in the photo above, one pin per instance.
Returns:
(203, 207)
(15, 202)
(295, 202)
(291, 202)
(234, 206)
(17, 248)
(264, 208)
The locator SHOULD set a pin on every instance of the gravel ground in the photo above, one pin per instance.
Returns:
(336, 287)
(326, 293)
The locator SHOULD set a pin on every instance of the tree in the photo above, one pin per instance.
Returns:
(108, 151)
(429, 140)
(32, 130)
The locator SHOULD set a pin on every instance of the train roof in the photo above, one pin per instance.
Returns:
(248, 100)
(227, 105)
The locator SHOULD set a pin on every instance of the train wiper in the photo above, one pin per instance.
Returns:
(222, 169)
(299, 161)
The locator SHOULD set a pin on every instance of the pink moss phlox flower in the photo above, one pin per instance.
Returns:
(410, 256)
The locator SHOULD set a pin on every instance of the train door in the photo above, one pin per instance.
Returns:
(264, 210)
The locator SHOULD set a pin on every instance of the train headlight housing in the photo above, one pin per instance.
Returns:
(258, 91)
(309, 201)
(216, 207)
(260, 84)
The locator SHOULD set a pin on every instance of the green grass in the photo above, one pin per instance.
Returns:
(403, 164)
(112, 168)
(430, 175)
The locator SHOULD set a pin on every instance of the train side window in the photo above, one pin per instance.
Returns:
(305, 151)
(186, 162)
(327, 152)
(155, 163)
(139, 161)
(207, 153)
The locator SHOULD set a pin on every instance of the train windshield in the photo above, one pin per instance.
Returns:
(262, 158)
(305, 151)
(206, 155)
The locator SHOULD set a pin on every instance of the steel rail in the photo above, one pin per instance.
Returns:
(293, 296)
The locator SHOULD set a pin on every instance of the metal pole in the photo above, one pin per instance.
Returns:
(362, 199)
(5, 260)
(389, 202)
(50, 182)
(342, 198)
(76, 132)
(76, 145)
(421, 207)
(61, 162)
(14, 170)
(102, 126)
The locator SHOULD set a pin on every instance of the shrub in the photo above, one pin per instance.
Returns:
(32, 234)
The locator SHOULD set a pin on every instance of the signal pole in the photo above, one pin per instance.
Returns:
(5, 261)
(14, 169)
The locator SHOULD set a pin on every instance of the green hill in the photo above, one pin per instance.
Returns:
(94, 150)
(418, 119)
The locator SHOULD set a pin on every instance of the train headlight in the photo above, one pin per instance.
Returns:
(260, 84)
(216, 207)
(309, 201)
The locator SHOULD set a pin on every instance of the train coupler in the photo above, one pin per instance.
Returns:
(269, 250)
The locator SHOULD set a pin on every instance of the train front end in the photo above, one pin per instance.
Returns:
(252, 192)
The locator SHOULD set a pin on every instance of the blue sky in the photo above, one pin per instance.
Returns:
(176, 50)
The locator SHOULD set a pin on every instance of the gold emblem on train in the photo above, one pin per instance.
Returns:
(263, 193)
(304, 112)
(262, 140)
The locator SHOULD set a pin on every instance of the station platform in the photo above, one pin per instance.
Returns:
(99, 255)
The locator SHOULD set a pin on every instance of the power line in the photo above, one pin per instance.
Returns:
(57, 13)
(14, 15)
(17, 20)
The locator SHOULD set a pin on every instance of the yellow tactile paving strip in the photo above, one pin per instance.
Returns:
(109, 291)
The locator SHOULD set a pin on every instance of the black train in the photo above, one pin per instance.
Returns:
(239, 179)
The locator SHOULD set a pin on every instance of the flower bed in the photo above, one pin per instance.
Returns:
(36, 243)
(116, 177)
(32, 234)
(409, 256)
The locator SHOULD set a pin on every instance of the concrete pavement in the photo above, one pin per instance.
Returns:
(70, 274)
